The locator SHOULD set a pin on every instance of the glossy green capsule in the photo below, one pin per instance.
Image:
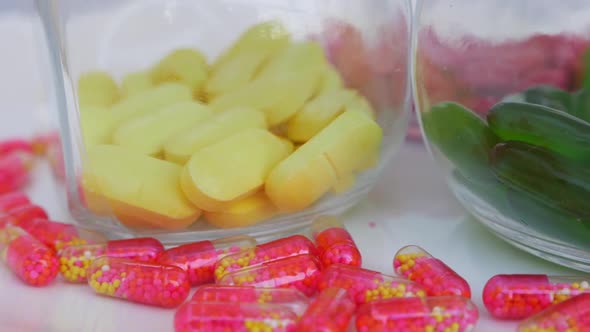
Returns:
(544, 95)
(462, 136)
(546, 176)
(581, 104)
(548, 220)
(542, 126)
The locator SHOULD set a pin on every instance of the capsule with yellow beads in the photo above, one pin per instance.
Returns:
(235, 317)
(147, 283)
(75, 260)
(366, 285)
(444, 313)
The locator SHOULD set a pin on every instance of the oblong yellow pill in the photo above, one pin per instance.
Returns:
(234, 73)
(150, 100)
(268, 35)
(182, 146)
(340, 149)
(96, 123)
(245, 212)
(187, 66)
(97, 88)
(142, 191)
(148, 133)
(136, 82)
(318, 113)
(331, 80)
(232, 168)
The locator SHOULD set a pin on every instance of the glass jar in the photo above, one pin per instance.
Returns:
(188, 119)
(499, 89)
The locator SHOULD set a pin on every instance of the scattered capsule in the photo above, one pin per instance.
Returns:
(234, 317)
(26, 212)
(445, 313)
(13, 200)
(436, 277)
(520, 296)
(264, 253)
(57, 235)
(334, 243)
(42, 141)
(148, 283)
(571, 315)
(366, 285)
(331, 311)
(199, 258)
(15, 145)
(288, 297)
(74, 261)
(14, 171)
(300, 272)
(27, 258)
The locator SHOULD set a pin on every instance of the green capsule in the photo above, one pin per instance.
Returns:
(547, 220)
(462, 136)
(546, 176)
(544, 95)
(542, 126)
(581, 104)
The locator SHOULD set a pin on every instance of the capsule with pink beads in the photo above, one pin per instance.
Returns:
(265, 253)
(29, 259)
(12, 200)
(366, 285)
(75, 260)
(300, 272)
(57, 235)
(445, 313)
(21, 213)
(520, 296)
(331, 311)
(437, 278)
(288, 297)
(9, 146)
(572, 315)
(147, 283)
(14, 171)
(234, 317)
(334, 242)
(199, 258)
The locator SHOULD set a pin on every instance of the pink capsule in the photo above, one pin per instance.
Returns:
(75, 260)
(13, 200)
(520, 296)
(445, 313)
(366, 285)
(572, 315)
(147, 283)
(15, 145)
(57, 235)
(234, 317)
(22, 213)
(14, 171)
(288, 297)
(300, 272)
(265, 253)
(331, 311)
(27, 258)
(436, 277)
(199, 258)
(334, 243)
(41, 142)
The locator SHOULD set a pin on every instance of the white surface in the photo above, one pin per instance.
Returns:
(411, 205)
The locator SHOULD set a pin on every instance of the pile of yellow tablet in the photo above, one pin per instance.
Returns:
(267, 128)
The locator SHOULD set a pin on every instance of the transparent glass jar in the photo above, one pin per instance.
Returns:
(499, 89)
(188, 119)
